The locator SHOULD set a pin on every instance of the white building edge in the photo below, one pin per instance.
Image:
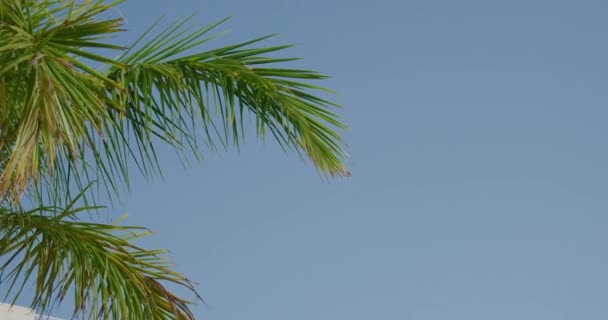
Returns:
(8, 312)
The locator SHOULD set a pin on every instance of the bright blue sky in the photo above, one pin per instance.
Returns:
(480, 168)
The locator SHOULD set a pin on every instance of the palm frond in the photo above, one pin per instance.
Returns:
(49, 98)
(174, 96)
(71, 122)
(216, 89)
(109, 276)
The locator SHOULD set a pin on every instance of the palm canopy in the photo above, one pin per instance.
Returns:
(58, 111)
(70, 115)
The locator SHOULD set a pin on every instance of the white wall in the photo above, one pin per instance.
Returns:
(20, 313)
(15, 312)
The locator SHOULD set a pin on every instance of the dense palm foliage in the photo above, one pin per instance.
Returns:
(75, 107)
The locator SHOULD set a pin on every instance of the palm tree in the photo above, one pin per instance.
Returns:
(76, 108)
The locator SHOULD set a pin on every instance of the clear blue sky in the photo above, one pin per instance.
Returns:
(479, 157)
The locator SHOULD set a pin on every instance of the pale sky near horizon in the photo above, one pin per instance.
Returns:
(478, 151)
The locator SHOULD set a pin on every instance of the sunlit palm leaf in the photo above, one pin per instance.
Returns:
(70, 115)
(74, 113)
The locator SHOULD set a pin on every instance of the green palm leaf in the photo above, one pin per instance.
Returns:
(109, 115)
(110, 277)
(71, 114)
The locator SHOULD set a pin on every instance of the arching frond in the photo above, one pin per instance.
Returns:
(68, 120)
(110, 277)
(172, 96)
